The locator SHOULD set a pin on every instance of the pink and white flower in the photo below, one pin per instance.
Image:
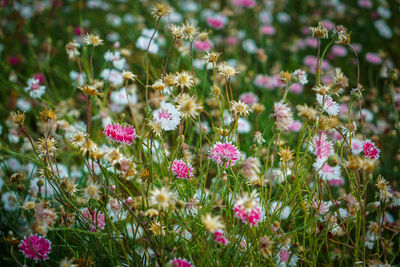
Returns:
(35, 247)
(249, 98)
(34, 88)
(220, 238)
(329, 106)
(120, 134)
(325, 171)
(181, 170)
(321, 146)
(283, 115)
(224, 154)
(371, 150)
(167, 116)
(95, 219)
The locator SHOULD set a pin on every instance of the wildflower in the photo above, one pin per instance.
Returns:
(181, 170)
(180, 263)
(183, 79)
(189, 30)
(29, 205)
(158, 85)
(370, 150)
(285, 76)
(70, 187)
(258, 108)
(322, 89)
(155, 127)
(325, 171)
(224, 154)
(167, 116)
(381, 183)
(239, 109)
(157, 228)
(72, 50)
(114, 156)
(35, 247)
(321, 146)
(320, 31)
(227, 70)
(220, 238)
(18, 117)
(286, 154)
(10, 201)
(120, 134)
(188, 105)
(68, 263)
(34, 88)
(342, 36)
(128, 75)
(283, 115)
(161, 198)
(329, 106)
(89, 90)
(265, 246)
(211, 56)
(92, 39)
(46, 145)
(247, 209)
(160, 10)
(306, 112)
(95, 219)
(211, 223)
(299, 76)
(87, 146)
(176, 31)
(47, 114)
(92, 191)
(251, 170)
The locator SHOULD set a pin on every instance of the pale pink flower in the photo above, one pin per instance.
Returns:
(321, 146)
(295, 126)
(336, 182)
(373, 58)
(370, 150)
(284, 255)
(283, 115)
(339, 50)
(220, 238)
(224, 154)
(296, 88)
(320, 206)
(217, 22)
(268, 30)
(357, 146)
(181, 170)
(167, 116)
(202, 46)
(34, 88)
(120, 134)
(180, 263)
(365, 3)
(329, 106)
(35, 247)
(248, 98)
(244, 3)
(325, 171)
(95, 219)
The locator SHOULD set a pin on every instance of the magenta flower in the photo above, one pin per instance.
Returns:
(370, 150)
(224, 154)
(202, 46)
(95, 219)
(35, 247)
(180, 263)
(220, 238)
(252, 217)
(120, 134)
(181, 170)
(373, 58)
(321, 146)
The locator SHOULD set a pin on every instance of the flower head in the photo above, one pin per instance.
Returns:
(161, 198)
(181, 170)
(35, 247)
(370, 150)
(189, 30)
(283, 115)
(320, 31)
(120, 134)
(183, 79)
(211, 223)
(239, 108)
(95, 219)
(224, 154)
(34, 88)
(92, 39)
(227, 70)
(167, 116)
(160, 10)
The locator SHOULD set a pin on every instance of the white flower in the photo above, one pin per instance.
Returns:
(23, 104)
(116, 59)
(113, 76)
(119, 97)
(325, 171)
(167, 116)
(356, 146)
(329, 106)
(34, 88)
(300, 76)
(77, 77)
(10, 201)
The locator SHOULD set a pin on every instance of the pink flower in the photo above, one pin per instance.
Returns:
(244, 3)
(120, 134)
(231, 40)
(339, 51)
(320, 206)
(202, 46)
(180, 169)
(295, 126)
(248, 98)
(219, 237)
(365, 3)
(296, 88)
(283, 115)
(217, 22)
(35, 247)
(370, 150)
(336, 182)
(39, 77)
(268, 30)
(321, 146)
(95, 219)
(252, 217)
(373, 58)
(224, 154)
(180, 263)
(284, 255)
